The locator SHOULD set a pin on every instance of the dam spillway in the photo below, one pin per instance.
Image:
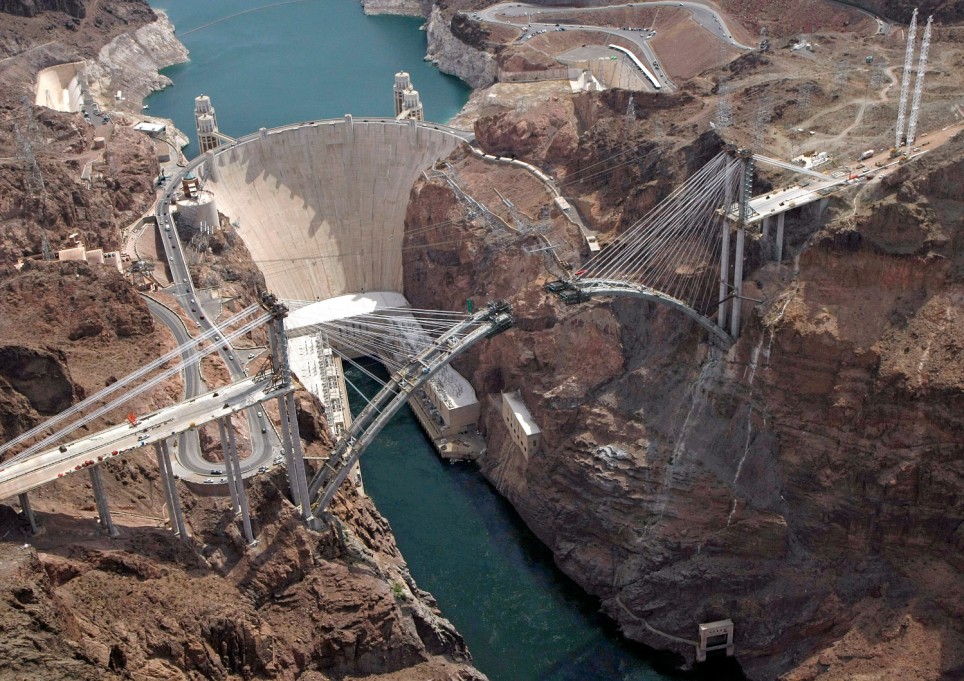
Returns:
(321, 205)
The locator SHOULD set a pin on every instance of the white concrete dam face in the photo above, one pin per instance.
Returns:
(321, 206)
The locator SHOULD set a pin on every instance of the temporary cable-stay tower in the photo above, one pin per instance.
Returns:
(905, 81)
(919, 85)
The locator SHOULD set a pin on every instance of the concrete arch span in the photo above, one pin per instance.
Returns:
(602, 287)
(321, 205)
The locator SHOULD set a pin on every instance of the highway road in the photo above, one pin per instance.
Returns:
(264, 440)
(705, 16)
(794, 196)
(75, 456)
(167, 317)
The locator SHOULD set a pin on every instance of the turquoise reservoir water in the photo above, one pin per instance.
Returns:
(283, 63)
(269, 64)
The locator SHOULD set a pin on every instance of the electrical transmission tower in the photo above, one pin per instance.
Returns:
(34, 183)
(631, 111)
(764, 113)
(905, 82)
(724, 110)
(919, 85)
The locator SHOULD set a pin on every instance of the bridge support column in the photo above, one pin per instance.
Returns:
(298, 460)
(234, 471)
(737, 283)
(294, 458)
(778, 246)
(101, 498)
(28, 513)
(745, 189)
(765, 237)
(178, 514)
(170, 489)
(724, 276)
(289, 460)
(225, 449)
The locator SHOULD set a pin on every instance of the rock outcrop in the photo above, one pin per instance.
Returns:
(452, 55)
(130, 62)
(31, 8)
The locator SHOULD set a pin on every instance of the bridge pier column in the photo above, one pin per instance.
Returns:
(745, 189)
(737, 283)
(765, 237)
(234, 470)
(28, 513)
(778, 246)
(724, 276)
(178, 514)
(170, 489)
(103, 511)
(298, 459)
(225, 449)
(297, 476)
(289, 459)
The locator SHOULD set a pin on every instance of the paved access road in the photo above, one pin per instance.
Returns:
(116, 440)
(705, 16)
(187, 460)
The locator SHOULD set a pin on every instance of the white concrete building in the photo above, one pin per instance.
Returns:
(150, 129)
(96, 256)
(206, 123)
(450, 406)
(522, 427)
(407, 102)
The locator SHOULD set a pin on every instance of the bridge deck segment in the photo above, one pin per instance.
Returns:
(116, 440)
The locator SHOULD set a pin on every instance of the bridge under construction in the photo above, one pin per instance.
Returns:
(54, 456)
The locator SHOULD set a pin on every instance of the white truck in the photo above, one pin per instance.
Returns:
(867, 154)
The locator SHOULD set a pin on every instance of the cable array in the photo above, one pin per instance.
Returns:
(391, 335)
(676, 248)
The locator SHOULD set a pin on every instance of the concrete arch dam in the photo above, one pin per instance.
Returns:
(321, 205)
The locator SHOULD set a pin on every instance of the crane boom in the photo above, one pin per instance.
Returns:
(919, 85)
(905, 82)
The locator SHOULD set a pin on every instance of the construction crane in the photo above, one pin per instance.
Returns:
(905, 82)
(919, 85)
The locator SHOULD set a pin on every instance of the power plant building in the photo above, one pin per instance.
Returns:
(448, 404)
(523, 429)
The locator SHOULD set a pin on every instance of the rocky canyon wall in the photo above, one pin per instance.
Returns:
(805, 482)
(452, 55)
(131, 62)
